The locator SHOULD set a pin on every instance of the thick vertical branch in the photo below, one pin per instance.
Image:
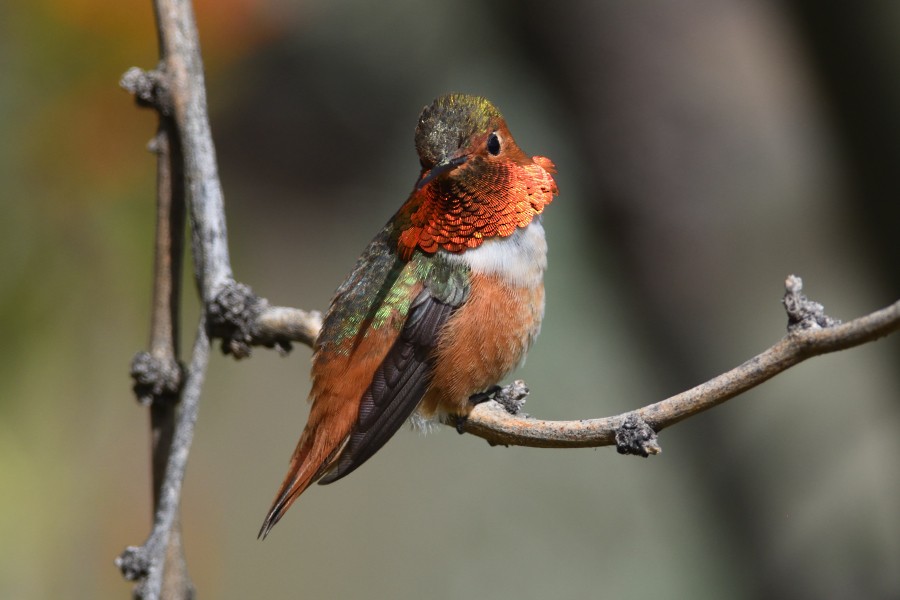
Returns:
(183, 66)
(186, 162)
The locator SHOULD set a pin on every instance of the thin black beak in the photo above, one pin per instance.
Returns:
(439, 169)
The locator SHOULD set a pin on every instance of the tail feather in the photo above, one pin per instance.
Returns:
(299, 477)
(315, 453)
(339, 381)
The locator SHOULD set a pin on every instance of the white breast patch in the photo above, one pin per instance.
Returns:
(520, 258)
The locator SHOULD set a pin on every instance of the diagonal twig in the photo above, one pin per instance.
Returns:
(634, 432)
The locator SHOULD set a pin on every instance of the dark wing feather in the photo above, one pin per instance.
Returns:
(397, 387)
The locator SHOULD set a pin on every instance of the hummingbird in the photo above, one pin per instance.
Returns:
(442, 304)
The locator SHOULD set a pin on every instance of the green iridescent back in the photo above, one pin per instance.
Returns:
(379, 292)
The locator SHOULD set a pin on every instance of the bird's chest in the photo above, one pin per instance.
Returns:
(506, 302)
(489, 335)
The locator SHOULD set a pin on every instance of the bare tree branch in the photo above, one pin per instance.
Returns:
(497, 426)
(146, 563)
(177, 91)
(241, 319)
(158, 374)
(811, 333)
(278, 325)
(183, 67)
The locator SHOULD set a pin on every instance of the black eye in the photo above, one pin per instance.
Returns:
(493, 144)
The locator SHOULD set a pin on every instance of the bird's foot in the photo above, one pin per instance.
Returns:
(475, 400)
(488, 394)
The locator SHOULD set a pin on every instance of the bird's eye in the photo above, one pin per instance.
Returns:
(493, 143)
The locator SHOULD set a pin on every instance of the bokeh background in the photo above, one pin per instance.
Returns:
(706, 149)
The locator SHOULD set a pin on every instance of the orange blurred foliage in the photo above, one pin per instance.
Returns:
(228, 28)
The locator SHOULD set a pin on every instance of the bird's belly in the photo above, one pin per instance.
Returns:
(482, 342)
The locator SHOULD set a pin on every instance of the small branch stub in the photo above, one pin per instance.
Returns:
(134, 562)
(149, 88)
(635, 437)
(232, 314)
(156, 379)
(241, 319)
(512, 397)
(278, 326)
(802, 312)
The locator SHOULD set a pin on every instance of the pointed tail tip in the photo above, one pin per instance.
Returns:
(305, 467)
(283, 501)
(275, 514)
(264, 531)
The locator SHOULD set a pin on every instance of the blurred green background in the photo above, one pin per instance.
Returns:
(706, 149)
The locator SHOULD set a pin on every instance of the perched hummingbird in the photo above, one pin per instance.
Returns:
(443, 303)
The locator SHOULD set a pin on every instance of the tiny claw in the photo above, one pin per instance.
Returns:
(461, 421)
(481, 397)
(475, 400)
